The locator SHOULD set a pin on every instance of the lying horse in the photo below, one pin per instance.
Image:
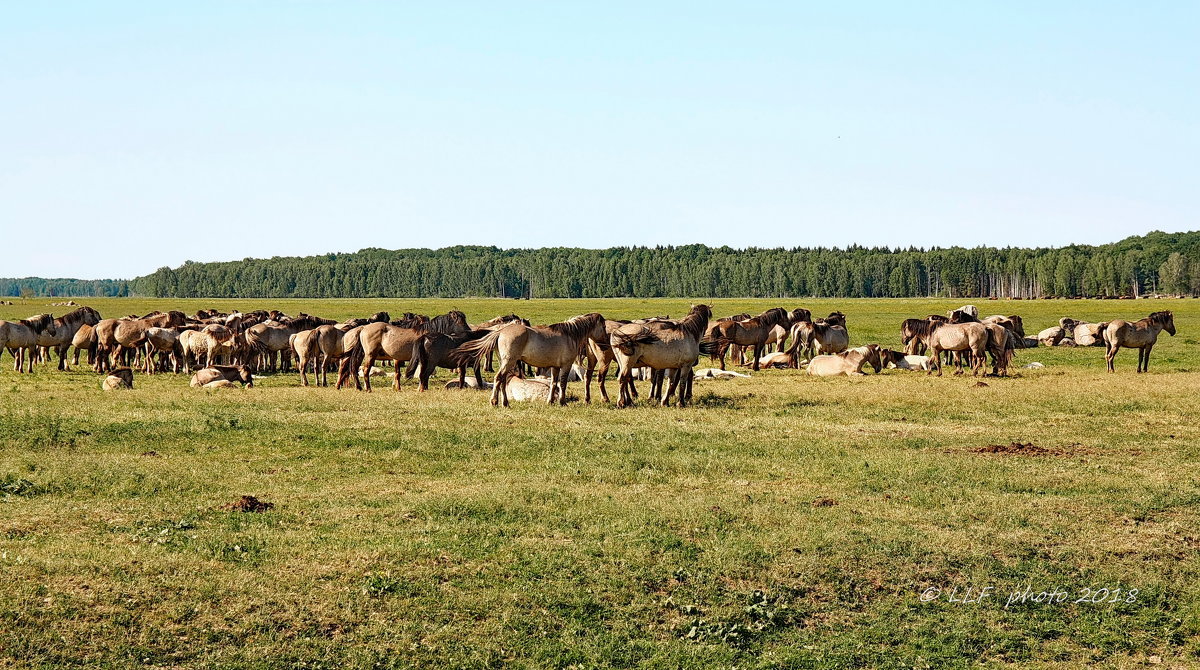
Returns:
(849, 362)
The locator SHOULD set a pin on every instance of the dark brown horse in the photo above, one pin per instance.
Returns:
(437, 350)
(748, 333)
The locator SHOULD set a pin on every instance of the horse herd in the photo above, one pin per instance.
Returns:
(228, 348)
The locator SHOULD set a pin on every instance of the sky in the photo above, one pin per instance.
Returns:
(140, 135)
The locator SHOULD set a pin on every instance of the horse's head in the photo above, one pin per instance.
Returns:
(836, 318)
(875, 357)
(245, 376)
(800, 314)
(961, 316)
(41, 323)
(1165, 319)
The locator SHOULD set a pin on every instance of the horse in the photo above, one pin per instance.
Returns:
(1140, 335)
(972, 337)
(673, 346)
(780, 334)
(268, 340)
(434, 350)
(748, 333)
(115, 336)
(21, 336)
(849, 362)
(711, 336)
(555, 346)
(453, 322)
(63, 331)
(165, 343)
(379, 341)
(822, 337)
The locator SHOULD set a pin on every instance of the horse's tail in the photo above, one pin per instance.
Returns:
(627, 341)
(708, 348)
(352, 359)
(420, 356)
(470, 353)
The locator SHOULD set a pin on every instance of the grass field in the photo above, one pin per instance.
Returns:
(783, 521)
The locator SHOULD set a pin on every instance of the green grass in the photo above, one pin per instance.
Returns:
(783, 521)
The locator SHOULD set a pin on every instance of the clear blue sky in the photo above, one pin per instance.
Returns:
(136, 135)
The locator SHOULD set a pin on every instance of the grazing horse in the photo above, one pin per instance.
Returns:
(1140, 335)
(555, 346)
(63, 332)
(20, 337)
(85, 340)
(748, 333)
(910, 330)
(661, 345)
(434, 350)
(268, 341)
(115, 336)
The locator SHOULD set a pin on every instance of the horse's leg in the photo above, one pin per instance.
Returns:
(721, 350)
(396, 376)
(603, 375)
(367, 363)
(1146, 358)
(565, 373)
(666, 399)
(1111, 353)
(758, 352)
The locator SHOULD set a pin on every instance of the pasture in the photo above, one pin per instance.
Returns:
(781, 521)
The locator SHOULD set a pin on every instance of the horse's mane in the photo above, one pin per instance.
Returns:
(414, 321)
(38, 322)
(1161, 317)
(694, 324)
(76, 315)
(448, 322)
(736, 317)
(576, 327)
(505, 318)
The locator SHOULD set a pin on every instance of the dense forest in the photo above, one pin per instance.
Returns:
(1154, 263)
(36, 286)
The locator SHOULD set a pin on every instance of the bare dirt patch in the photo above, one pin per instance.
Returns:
(248, 504)
(1030, 449)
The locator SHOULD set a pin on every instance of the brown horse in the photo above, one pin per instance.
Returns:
(672, 346)
(378, 342)
(20, 338)
(114, 337)
(1140, 335)
(64, 328)
(748, 333)
(970, 337)
(555, 346)
(437, 350)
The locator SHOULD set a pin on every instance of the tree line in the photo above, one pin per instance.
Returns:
(1153, 263)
